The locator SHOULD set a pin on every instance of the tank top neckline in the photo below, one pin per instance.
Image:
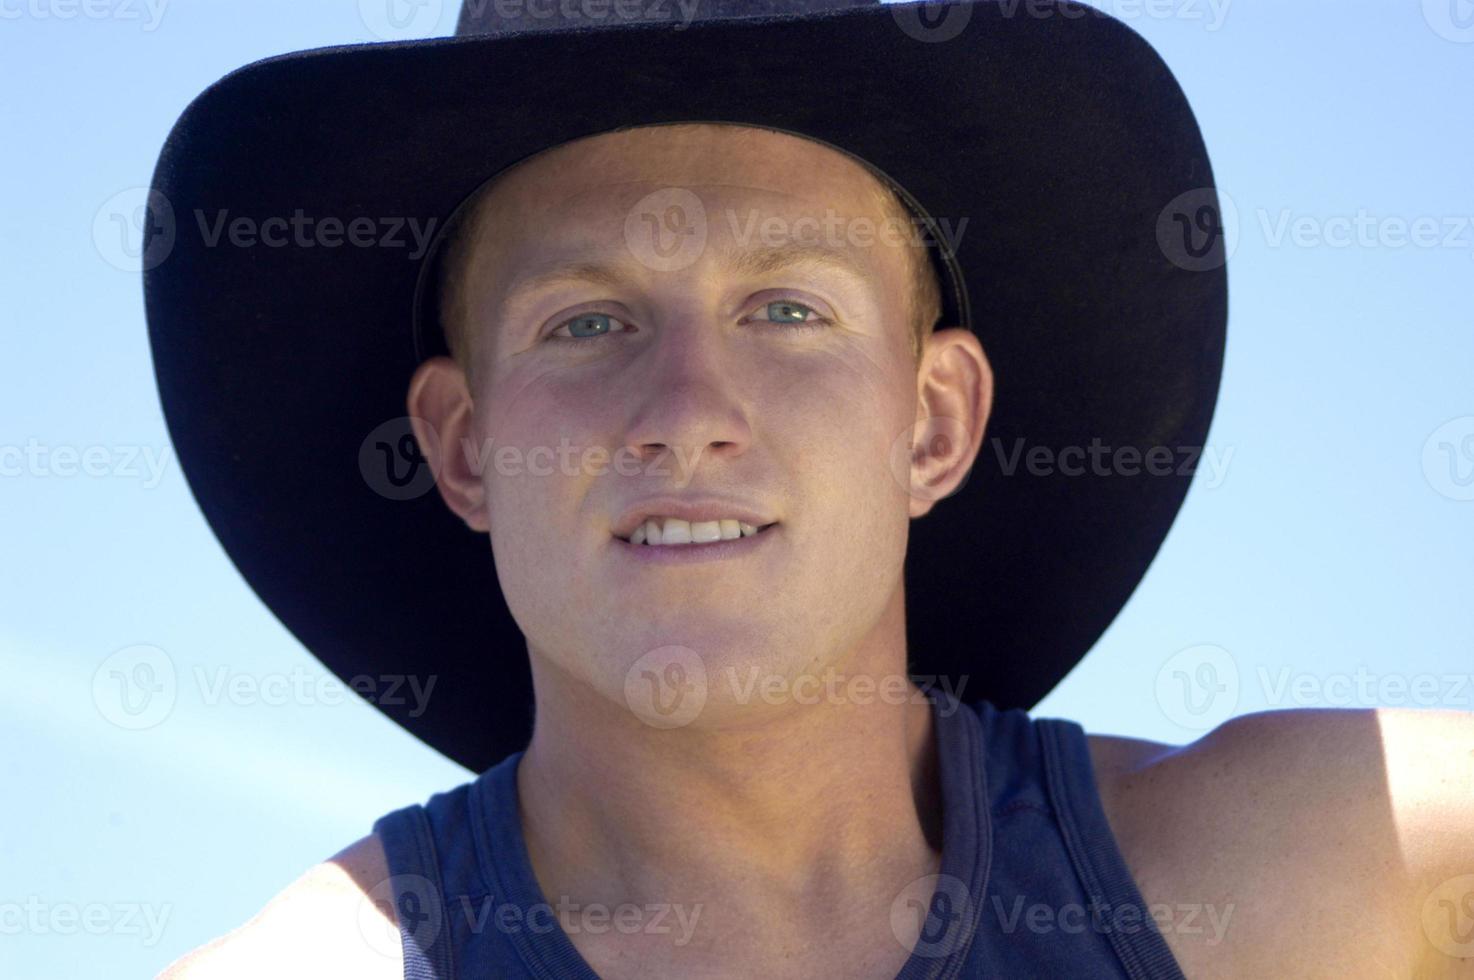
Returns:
(945, 935)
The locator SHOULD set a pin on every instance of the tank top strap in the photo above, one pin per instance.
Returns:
(416, 890)
(1062, 860)
(459, 914)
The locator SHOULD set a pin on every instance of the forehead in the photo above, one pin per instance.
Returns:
(753, 188)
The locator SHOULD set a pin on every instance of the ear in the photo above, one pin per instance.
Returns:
(443, 416)
(954, 396)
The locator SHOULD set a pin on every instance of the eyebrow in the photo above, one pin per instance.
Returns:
(751, 262)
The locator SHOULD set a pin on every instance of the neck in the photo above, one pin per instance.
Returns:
(833, 804)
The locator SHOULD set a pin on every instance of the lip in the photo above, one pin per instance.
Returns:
(691, 509)
(695, 554)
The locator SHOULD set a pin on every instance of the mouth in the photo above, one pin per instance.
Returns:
(675, 532)
(685, 547)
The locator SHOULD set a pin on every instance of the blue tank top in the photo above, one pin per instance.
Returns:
(1031, 883)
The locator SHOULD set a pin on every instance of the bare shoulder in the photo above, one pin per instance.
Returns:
(1301, 842)
(325, 923)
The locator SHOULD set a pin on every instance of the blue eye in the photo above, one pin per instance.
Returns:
(783, 313)
(791, 314)
(586, 325)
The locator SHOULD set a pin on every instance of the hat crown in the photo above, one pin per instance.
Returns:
(480, 17)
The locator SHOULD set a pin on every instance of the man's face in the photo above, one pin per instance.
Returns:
(687, 377)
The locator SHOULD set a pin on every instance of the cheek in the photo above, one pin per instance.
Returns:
(850, 416)
(543, 424)
(539, 486)
(842, 427)
(537, 441)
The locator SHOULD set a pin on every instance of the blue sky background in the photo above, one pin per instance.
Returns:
(1332, 563)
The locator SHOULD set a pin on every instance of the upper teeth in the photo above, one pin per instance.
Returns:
(673, 530)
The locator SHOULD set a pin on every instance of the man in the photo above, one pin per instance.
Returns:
(686, 764)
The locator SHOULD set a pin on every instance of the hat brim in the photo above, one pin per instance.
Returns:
(1061, 140)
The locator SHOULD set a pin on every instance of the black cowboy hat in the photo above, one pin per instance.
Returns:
(1092, 269)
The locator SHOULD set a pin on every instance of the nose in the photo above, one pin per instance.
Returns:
(690, 399)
